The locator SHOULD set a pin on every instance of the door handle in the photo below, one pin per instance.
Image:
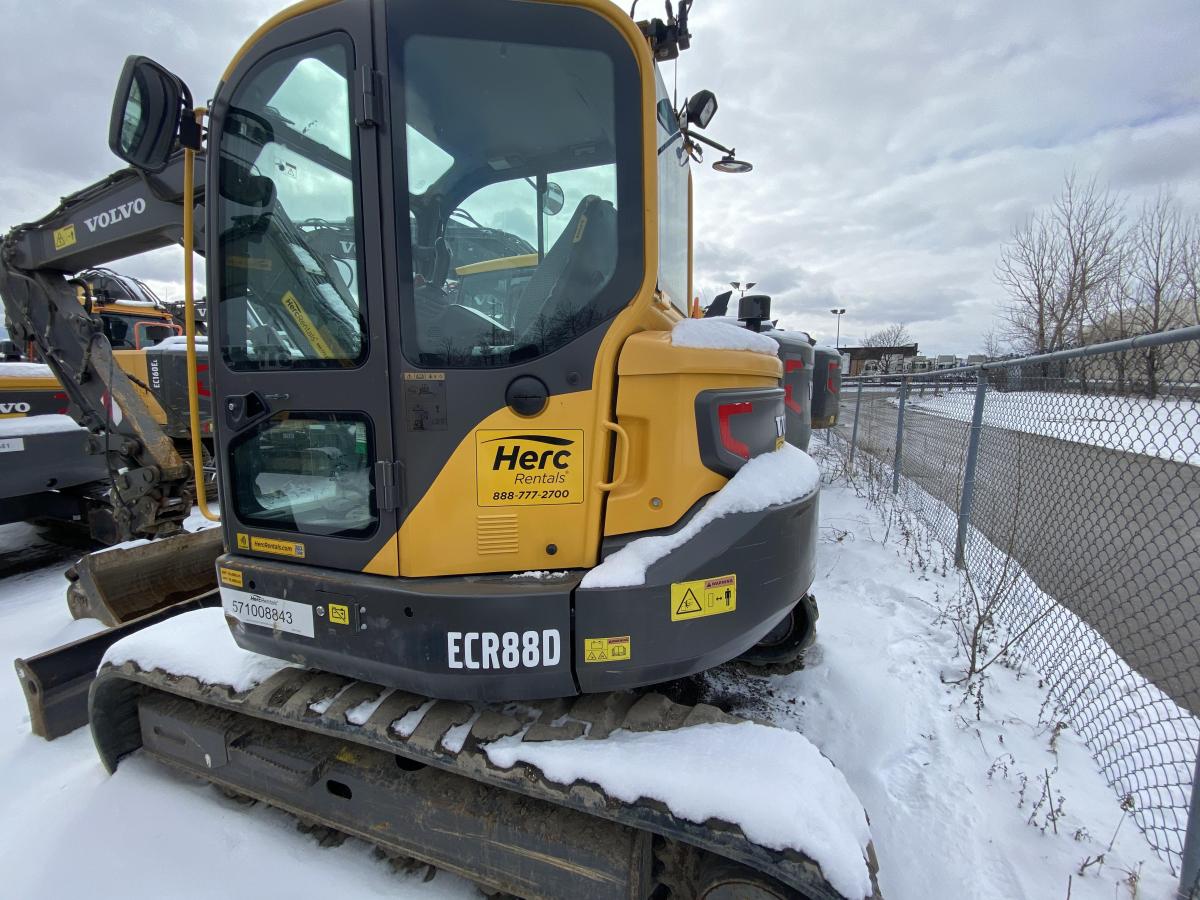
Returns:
(621, 470)
(244, 410)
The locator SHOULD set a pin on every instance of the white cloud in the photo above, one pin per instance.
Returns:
(895, 145)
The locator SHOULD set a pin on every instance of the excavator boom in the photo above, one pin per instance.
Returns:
(127, 213)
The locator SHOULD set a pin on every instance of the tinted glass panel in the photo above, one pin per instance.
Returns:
(290, 296)
(306, 472)
(501, 276)
(673, 165)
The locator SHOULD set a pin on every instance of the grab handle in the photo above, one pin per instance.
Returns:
(622, 468)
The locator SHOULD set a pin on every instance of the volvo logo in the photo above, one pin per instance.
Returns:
(116, 214)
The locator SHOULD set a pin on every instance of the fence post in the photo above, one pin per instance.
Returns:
(968, 491)
(854, 430)
(1189, 866)
(899, 436)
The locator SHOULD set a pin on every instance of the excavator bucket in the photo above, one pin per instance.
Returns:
(123, 583)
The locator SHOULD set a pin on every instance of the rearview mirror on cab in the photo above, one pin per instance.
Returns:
(553, 199)
(146, 114)
(701, 107)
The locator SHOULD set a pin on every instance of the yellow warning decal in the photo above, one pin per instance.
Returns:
(339, 614)
(310, 331)
(231, 577)
(249, 262)
(64, 237)
(279, 548)
(532, 467)
(706, 597)
(243, 541)
(607, 649)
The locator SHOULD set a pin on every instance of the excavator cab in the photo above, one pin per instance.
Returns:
(447, 246)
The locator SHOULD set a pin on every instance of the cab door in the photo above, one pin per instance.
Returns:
(516, 186)
(299, 335)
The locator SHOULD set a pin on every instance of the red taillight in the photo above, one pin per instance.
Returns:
(792, 365)
(201, 390)
(59, 395)
(834, 366)
(725, 412)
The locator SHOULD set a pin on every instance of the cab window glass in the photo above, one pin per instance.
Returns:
(673, 168)
(516, 220)
(306, 472)
(290, 293)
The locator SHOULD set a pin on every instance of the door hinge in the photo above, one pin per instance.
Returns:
(389, 484)
(367, 107)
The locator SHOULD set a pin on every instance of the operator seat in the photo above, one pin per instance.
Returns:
(557, 302)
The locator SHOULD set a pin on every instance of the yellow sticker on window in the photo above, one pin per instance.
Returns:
(310, 331)
(249, 262)
(339, 614)
(231, 577)
(278, 548)
(607, 649)
(529, 468)
(64, 237)
(706, 597)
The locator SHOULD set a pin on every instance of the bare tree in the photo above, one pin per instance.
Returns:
(1158, 276)
(993, 343)
(890, 336)
(1058, 263)
(1028, 270)
(1111, 316)
(1191, 269)
(1090, 221)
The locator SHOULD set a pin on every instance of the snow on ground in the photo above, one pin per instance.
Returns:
(956, 802)
(1167, 428)
(955, 793)
(70, 830)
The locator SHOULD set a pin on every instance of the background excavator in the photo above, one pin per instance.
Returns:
(52, 477)
(450, 479)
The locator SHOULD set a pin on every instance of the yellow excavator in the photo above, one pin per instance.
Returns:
(477, 465)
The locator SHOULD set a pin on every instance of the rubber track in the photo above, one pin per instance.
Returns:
(287, 696)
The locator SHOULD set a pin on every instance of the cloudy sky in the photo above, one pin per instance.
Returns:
(895, 144)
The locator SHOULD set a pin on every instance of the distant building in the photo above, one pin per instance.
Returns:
(947, 361)
(976, 359)
(883, 360)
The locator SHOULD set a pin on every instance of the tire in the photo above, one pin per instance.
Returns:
(788, 640)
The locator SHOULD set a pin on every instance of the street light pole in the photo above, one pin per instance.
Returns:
(839, 313)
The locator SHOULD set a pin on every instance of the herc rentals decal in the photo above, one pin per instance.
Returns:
(529, 468)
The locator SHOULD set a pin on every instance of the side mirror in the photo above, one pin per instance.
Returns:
(146, 114)
(701, 107)
(553, 199)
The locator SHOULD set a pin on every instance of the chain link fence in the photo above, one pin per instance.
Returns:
(1068, 485)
